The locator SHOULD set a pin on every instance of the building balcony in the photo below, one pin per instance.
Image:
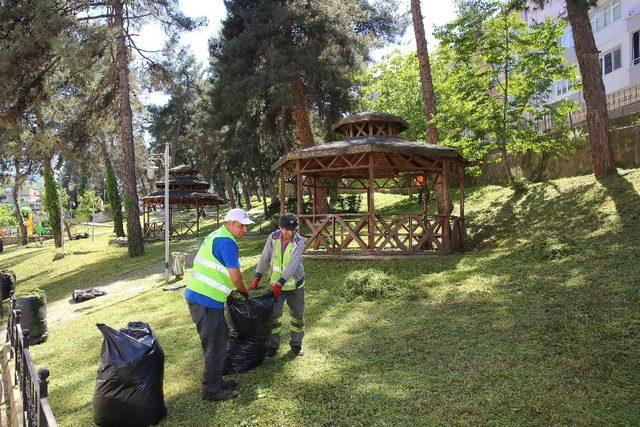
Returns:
(633, 18)
(620, 103)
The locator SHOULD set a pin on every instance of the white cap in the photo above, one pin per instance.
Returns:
(239, 215)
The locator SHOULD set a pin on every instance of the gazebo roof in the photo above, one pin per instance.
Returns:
(371, 116)
(184, 197)
(185, 181)
(371, 144)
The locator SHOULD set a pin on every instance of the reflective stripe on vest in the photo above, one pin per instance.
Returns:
(280, 261)
(209, 276)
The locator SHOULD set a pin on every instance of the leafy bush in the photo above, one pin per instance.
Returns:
(87, 203)
(349, 203)
(372, 284)
(7, 217)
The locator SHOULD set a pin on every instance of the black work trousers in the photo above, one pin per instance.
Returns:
(213, 330)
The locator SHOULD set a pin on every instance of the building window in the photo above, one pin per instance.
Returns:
(567, 38)
(635, 48)
(559, 88)
(606, 15)
(610, 61)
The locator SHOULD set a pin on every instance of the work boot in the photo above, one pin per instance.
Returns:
(220, 395)
(297, 350)
(229, 385)
(271, 351)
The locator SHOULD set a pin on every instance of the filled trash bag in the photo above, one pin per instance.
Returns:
(7, 283)
(78, 236)
(129, 383)
(80, 295)
(33, 316)
(249, 332)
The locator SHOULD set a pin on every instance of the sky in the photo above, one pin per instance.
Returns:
(435, 12)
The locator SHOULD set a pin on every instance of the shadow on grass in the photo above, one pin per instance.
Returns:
(7, 260)
(626, 200)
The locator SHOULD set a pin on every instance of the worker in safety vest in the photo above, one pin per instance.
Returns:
(216, 273)
(283, 255)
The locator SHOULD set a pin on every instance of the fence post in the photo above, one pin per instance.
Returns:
(43, 374)
(24, 374)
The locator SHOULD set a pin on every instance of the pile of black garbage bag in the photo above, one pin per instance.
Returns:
(249, 332)
(80, 295)
(129, 384)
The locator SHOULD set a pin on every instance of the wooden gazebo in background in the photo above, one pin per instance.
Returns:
(185, 192)
(372, 157)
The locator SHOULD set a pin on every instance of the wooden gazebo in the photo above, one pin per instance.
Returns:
(186, 191)
(370, 158)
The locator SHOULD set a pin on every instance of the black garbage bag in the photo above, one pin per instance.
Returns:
(33, 316)
(249, 332)
(7, 283)
(129, 384)
(80, 295)
(78, 236)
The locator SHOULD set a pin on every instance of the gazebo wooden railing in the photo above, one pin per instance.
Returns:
(155, 230)
(409, 234)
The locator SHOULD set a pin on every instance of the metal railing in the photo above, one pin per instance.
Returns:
(33, 385)
(615, 101)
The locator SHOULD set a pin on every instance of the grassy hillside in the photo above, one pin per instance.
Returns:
(538, 323)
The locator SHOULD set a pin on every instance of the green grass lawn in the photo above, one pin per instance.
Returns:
(537, 323)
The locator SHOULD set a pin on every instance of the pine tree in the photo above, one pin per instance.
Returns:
(52, 202)
(300, 56)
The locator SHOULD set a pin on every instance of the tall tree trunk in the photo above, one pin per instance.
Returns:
(112, 192)
(16, 203)
(52, 201)
(245, 192)
(305, 136)
(592, 88)
(273, 193)
(507, 165)
(428, 95)
(262, 191)
(176, 138)
(134, 229)
(284, 129)
(505, 107)
(228, 185)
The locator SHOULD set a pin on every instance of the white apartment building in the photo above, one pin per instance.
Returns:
(616, 28)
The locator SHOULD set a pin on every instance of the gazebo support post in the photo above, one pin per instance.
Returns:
(197, 219)
(462, 233)
(218, 216)
(446, 226)
(298, 190)
(370, 206)
(282, 191)
(314, 195)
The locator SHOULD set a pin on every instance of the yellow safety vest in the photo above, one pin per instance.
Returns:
(209, 276)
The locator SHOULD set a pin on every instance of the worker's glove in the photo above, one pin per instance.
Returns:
(254, 283)
(277, 290)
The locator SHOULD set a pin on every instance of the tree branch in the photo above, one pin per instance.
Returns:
(87, 18)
